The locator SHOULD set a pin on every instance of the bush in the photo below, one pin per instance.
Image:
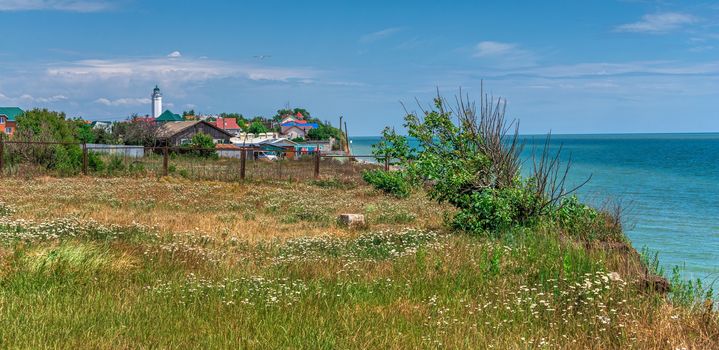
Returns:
(94, 162)
(66, 160)
(116, 164)
(390, 182)
(582, 222)
(495, 211)
(203, 145)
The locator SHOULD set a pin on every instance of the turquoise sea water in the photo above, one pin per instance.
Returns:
(668, 183)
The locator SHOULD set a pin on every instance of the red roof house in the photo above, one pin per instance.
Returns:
(227, 124)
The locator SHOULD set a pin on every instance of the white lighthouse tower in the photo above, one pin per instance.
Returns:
(156, 102)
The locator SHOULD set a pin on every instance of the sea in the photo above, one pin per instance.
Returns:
(667, 184)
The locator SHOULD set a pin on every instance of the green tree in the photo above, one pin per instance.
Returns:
(84, 132)
(281, 113)
(49, 126)
(257, 127)
(394, 146)
(324, 131)
(202, 145)
(45, 125)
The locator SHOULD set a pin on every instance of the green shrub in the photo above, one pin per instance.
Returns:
(66, 160)
(116, 164)
(94, 162)
(581, 221)
(495, 211)
(390, 182)
(137, 168)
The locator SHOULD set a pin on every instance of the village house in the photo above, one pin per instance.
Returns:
(295, 126)
(296, 129)
(228, 124)
(7, 119)
(178, 133)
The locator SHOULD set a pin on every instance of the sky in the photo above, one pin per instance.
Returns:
(562, 66)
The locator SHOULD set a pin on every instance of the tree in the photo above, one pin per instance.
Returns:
(49, 126)
(84, 132)
(42, 125)
(281, 113)
(136, 131)
(324, 131)
(394, 146)
(202, 145)
(188, 113)
(257, 128)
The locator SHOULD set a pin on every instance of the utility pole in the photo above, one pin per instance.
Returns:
(341, 132)
(347, 135)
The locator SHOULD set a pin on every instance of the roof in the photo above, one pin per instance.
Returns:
(281, 142)
(226, 123)
(146, 119)
(262, 140)
(168, 116)
(226, 146)
(10, 112)
(169, 129)
(299, 125)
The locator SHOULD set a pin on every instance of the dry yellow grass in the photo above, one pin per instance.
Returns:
(249, 211)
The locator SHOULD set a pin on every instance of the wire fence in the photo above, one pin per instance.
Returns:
(223, 163)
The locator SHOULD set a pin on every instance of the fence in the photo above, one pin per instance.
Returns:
(31, 158)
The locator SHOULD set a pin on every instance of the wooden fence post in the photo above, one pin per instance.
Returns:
(84, 158)
(2, 153)
(165, 160)
(317, 164)
(243, 161)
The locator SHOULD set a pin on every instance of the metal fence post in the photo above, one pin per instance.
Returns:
(243, 161)
(317, 164)
(84, 158)
(165, 160)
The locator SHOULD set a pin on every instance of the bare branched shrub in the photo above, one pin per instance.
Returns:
(549, 175)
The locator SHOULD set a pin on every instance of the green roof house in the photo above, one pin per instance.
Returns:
(168, 116)
(10, 113)
(7, 119)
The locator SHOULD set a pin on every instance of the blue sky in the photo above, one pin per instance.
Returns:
(564, 66)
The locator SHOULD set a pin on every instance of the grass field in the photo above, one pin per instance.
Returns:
(172, 263)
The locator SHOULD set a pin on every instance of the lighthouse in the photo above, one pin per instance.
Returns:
(156, 102)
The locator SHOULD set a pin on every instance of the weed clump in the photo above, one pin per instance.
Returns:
(390, 182)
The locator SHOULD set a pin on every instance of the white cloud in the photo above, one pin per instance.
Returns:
(503, 55)
(175, 54)
(172, 70)
(493, 48)
(123, 101)
(658, 23)
(599, 73)
(55, 5)
(379, 35)
(27, 99)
